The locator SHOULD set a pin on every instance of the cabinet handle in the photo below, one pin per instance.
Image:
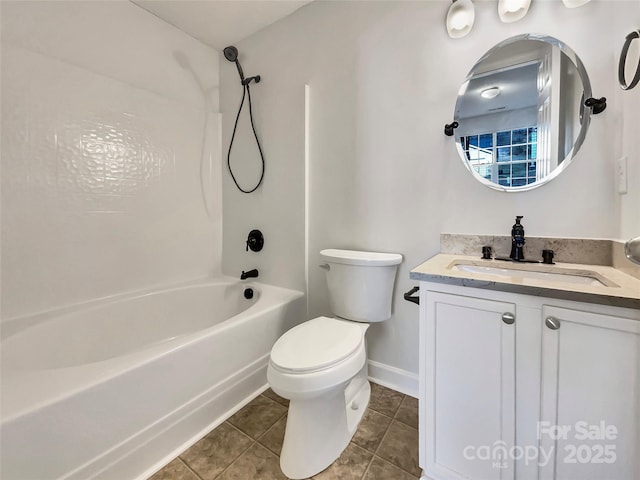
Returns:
(553, 323)
(508, 318)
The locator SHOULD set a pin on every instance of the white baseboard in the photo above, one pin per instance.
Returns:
(397, 379)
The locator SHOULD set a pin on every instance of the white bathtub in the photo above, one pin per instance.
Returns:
(114, 388)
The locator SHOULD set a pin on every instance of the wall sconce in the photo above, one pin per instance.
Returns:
(460, 18)
(512, 10)
(462, 14)
(574, 3)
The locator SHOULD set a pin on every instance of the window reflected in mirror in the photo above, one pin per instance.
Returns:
(507, 158)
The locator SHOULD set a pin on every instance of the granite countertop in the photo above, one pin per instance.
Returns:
(620, 289)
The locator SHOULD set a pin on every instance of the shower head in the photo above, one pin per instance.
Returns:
(231, 54)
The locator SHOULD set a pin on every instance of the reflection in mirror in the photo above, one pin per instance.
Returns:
(521, 112)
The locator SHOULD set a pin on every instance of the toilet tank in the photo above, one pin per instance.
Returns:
(361, 283)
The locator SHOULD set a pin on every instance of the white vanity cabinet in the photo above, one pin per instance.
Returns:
(469, 381)
(523, 387)
(590, 382)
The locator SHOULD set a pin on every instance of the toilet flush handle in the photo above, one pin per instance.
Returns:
(325, 266)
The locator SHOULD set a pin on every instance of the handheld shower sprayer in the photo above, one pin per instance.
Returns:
(231, 54)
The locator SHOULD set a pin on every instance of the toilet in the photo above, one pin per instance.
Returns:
(321, 364)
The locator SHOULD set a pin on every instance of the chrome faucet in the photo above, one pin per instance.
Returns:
(517, 241)
(250, 274)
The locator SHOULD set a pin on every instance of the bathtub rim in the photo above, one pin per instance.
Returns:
(69, 381)
(11, 326)
(88, 310)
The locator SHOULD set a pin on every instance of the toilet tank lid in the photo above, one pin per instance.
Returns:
(353, 257)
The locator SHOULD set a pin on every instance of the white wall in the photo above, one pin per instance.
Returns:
(384, 78)
(626, 124)
(103, 121)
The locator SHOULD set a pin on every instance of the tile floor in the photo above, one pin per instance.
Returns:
(247, 446)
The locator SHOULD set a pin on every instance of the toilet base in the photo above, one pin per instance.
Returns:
(319, 429)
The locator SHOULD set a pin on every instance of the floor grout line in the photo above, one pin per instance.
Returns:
(398, 409)
(236, 428)
(267, 431)
(188, 467)
(236, 459)
(395, 417)
(254, 440)
(383, 437)
(394, 465)
(375, 454)
(366, 470)
(379, 444)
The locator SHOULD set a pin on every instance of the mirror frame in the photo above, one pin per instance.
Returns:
(586, 112)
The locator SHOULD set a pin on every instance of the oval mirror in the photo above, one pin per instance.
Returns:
(520, 112)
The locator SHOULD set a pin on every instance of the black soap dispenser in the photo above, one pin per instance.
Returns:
(517, 241)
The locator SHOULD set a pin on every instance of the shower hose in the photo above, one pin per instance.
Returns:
(246, 92)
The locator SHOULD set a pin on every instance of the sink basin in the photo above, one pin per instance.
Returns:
(547, 273)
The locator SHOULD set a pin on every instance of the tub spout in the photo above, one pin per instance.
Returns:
(250, 274)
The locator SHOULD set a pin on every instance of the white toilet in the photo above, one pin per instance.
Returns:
(321, 365)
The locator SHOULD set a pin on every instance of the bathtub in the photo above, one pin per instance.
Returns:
(115, 388)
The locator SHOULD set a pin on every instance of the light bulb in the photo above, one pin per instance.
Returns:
(460, 18)
(574, 3)
(512, 5)
(492, 92)
(512, 10)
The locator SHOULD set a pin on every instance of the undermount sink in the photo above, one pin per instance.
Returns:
(547, 273)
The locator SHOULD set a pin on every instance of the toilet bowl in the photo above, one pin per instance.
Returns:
(327, 387)
(321, 364)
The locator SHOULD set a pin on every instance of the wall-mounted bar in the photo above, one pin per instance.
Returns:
(597, 105)
(623, 60)
(449, 128)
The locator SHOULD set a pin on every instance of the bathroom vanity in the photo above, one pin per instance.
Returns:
(528, 372)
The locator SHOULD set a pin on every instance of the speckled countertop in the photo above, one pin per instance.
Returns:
(620, 289)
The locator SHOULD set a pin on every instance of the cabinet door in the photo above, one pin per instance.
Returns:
(468, 388)
(590, 420)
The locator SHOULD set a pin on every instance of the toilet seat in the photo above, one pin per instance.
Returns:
(316, 345)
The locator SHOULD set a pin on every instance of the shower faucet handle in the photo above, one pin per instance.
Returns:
(255, 241)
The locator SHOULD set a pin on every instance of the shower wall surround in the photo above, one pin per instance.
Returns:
(103, 143)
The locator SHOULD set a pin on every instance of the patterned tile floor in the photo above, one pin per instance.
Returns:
(247, 446)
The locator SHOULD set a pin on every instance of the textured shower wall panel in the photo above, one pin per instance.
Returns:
(101, 186)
